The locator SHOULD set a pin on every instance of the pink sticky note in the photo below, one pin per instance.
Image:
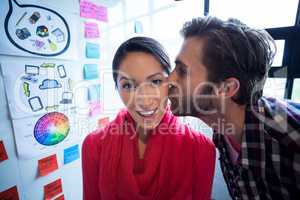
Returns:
(86, 9)
(95, 108)
(91, 30)
(100, 13)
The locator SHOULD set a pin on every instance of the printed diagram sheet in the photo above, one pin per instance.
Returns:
(46, 133)
(31, 30)
(42, 104)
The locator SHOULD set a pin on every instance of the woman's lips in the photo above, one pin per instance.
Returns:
(147, 114)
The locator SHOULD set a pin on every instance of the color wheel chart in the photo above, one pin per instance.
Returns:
(52, 128)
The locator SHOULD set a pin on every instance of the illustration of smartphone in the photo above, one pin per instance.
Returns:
(61, 71)
(35, 103)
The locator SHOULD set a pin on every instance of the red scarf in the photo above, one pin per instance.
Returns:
(178, 163)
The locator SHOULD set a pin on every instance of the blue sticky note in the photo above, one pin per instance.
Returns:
(90, 71)
(94, 92)
(92, 50)
(71, 154)
(138, 27)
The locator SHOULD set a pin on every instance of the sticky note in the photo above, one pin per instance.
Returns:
(94, 93)
(90, 71)
(10, 194)
(92, 50)
(86, 9)
(91, 30)
(53, 189)
(47, 165)
(103, 122)
(71, 154)
(94, 108)
(93, 11)
(61, 197)
(138, 27)
(100, 13)
(3, 154)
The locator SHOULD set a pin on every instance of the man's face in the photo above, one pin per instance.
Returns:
(190, 91)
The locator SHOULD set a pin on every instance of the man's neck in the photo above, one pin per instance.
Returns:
(230, 123)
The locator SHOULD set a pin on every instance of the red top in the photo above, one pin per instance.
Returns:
(178, 162)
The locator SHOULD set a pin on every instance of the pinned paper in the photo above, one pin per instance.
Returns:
(94, 93)
(101, 13)
(86, 9)
(95, 108)
(10, 194)
(90, 71)
(103, 122)
(47, 165)
(91, 30)
(3, 154)
(138, 27)
(71, 154)
(92, 50)
(93, 11)
(53, 189)
(61, 197)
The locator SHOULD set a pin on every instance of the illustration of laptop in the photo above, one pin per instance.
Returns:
(66, 98)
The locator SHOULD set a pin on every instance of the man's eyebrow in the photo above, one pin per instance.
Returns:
(179, 62)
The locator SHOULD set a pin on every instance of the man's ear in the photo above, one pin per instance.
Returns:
(229, 87)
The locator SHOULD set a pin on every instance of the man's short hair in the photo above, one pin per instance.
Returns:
(232, 49)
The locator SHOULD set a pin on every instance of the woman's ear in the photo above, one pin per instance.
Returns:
(229, 87)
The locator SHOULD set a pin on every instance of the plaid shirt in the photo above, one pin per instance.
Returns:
(269, 166)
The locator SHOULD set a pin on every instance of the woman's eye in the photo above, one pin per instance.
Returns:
(127, 86)
(157, 81)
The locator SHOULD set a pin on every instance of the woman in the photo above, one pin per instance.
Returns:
(145, 153)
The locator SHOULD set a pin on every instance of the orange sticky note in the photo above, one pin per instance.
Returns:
(47, 165)
(10, 194)
(103, 122)
(61, 197)
(3, 154)
(52, 189)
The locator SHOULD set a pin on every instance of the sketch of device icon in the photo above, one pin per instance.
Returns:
(29, 78)
(66, 98)
(32, 70)
(61, 71)
(35, 103)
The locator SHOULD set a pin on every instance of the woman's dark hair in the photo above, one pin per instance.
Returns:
(232, 49)
(140, 44)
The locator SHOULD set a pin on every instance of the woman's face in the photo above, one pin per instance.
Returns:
(142, 84)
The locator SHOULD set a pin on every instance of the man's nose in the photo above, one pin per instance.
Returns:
(172, 80)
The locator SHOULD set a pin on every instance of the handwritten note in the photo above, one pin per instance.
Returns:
(95, 108)
(91, 30)
(53, 189)
(90, 71)
(138, 27)
(71, 154)
(94, 92)
(103, 122)
(10, 194)
(3, 154)
(93, 11)
(100, 13)
(92, 50)
(47, 165)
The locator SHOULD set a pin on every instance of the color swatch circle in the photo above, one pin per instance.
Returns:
(52, 128)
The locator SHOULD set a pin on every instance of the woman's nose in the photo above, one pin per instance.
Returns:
(145, 97)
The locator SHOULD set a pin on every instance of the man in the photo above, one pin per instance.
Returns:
(219, 77)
